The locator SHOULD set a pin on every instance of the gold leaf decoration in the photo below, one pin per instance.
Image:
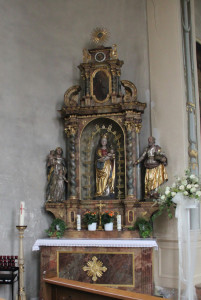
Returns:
(100, 35)
(94, 268)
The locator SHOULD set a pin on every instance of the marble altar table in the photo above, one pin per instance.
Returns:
(119, 263)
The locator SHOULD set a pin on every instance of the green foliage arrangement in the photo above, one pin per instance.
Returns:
(107, 217)
(145, 227)
(188, 185)
(57, 228)
(90, 217)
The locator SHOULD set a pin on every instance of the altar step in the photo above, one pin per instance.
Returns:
(56, 288)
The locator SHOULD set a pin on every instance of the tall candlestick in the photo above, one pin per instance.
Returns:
(22, 205)
(21, 291)
(78, 222)
(119, 222)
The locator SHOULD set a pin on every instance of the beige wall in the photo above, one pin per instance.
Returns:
(169, 121)
(198, 19)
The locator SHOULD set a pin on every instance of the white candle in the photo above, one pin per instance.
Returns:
(119, 222)
(22, 205)
(78, 222)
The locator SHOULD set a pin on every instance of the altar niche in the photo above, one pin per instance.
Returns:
(102, 165)
(102, 121)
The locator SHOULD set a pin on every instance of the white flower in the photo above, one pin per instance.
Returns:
(184, 182)
(193, 178)
(193, 190)
(163, 197)
(196, 185)
(173, 194)
(186, 193)
(189, 186)
(181, 187)
(167, 192)
(167, 188)
(198, 193)
(174, 185)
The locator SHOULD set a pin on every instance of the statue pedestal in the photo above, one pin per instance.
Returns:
(122, 263)
(129, 211)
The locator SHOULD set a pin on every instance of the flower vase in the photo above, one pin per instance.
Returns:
(108, 226)
(92, 227)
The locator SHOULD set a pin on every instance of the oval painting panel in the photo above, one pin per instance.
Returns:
(101, 85)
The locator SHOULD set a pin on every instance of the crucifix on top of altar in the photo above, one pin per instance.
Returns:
(102, 122)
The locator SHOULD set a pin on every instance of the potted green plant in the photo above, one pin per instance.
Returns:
(144, 227)
(57, 228)
(107, 219)
(90, 218)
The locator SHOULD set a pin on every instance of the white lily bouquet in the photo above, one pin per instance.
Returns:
(189, 186)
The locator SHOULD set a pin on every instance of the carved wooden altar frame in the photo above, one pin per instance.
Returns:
(121, 107)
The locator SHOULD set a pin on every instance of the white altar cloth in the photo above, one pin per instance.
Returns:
(127, 243)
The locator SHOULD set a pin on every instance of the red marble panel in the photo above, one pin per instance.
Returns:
(120, 267)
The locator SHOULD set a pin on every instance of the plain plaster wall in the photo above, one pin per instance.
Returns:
(169, 122)
(41, 45)
(168, 115)
(197, 4)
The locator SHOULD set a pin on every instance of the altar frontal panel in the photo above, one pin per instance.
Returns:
(108, 269)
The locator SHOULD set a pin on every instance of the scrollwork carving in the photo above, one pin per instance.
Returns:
(129, 125)
(71, 130)
(71, 96)
(130, 89)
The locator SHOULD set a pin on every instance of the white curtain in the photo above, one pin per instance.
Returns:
(187, 244)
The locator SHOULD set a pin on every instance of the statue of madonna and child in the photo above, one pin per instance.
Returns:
(105, 169)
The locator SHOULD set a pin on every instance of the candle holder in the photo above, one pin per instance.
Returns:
(21, 292)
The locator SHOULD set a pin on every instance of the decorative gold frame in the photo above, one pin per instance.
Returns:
(92, 88)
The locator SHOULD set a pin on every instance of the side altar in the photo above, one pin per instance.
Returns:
(102, 121)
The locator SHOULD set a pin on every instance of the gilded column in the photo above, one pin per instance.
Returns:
(118, 82)
(87, 84)
(113, 80)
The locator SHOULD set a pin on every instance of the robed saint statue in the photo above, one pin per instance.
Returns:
(105, 169)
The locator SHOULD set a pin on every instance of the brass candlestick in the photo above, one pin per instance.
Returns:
(21, 292)
(100, 214)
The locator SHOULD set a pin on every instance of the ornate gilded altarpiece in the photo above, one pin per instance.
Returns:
(102, 105)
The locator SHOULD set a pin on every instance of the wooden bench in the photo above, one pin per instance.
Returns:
(63, 289)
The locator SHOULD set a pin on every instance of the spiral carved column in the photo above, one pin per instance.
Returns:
(71, 133)
(138, 169)
(129, 159)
